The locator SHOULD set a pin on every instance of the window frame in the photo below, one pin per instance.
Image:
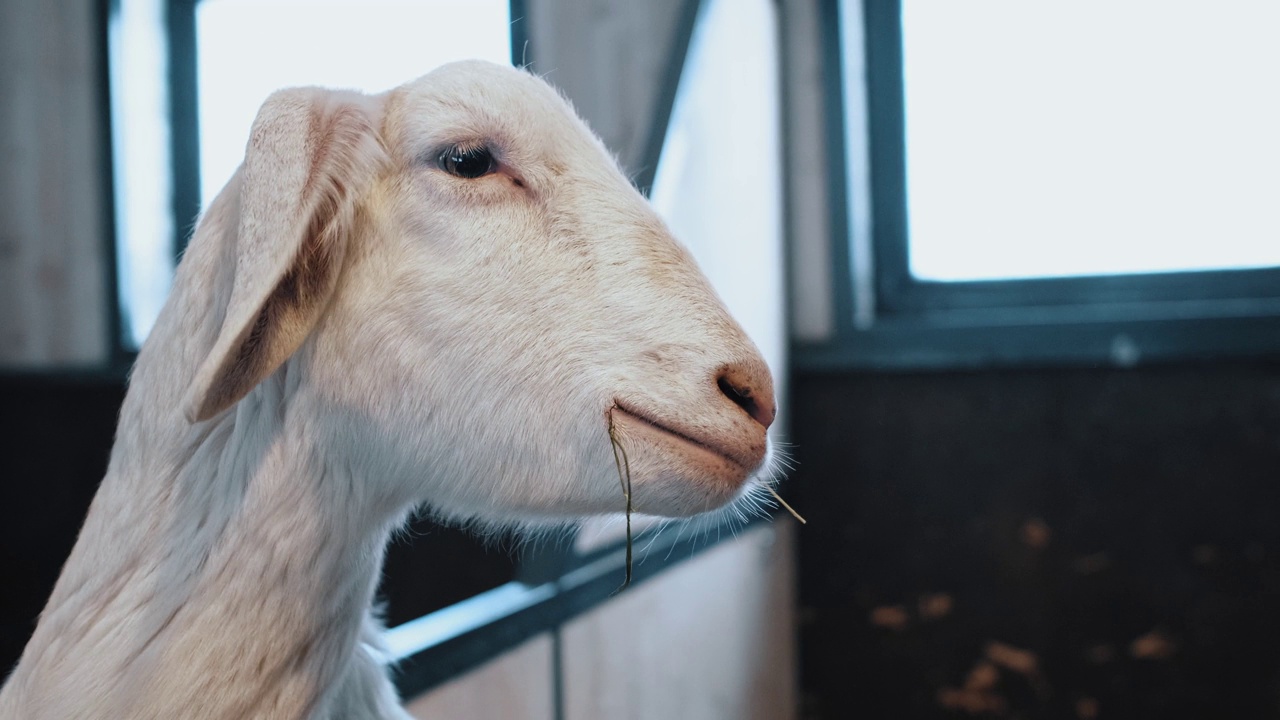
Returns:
(884, 318)
(184, 119)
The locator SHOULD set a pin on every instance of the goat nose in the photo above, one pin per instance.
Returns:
(751, 389)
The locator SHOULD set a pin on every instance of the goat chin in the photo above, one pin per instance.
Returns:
(445, 294)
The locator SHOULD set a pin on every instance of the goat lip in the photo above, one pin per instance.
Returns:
(685, 438)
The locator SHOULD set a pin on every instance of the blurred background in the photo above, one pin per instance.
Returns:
(1016, 268)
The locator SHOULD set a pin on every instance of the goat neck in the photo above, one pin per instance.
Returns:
(225, 568)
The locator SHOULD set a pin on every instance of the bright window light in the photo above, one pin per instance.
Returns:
(141, 163)
(1091, 137)
(249, 48)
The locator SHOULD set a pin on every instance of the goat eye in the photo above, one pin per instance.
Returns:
(467, 163)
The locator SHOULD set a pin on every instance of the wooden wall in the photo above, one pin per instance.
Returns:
(711, 639)
(520, 685)
(53, 253)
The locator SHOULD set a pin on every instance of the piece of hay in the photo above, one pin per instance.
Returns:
(784, 504)
(983, 676)
(1023, 662)
(973, 702)
(892, 617)
(1155, 645)
(1036, 534)
(624, 477)
(935, 606)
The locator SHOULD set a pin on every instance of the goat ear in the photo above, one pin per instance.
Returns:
(310, 154)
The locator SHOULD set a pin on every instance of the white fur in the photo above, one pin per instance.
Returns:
(354, 332)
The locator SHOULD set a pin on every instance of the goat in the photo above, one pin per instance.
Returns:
(445, 294)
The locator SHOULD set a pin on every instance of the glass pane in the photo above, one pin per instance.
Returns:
(249, 48)
(141, 163)
(1091, 138)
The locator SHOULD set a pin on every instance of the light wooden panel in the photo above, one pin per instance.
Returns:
(52, 249)
(710, 640)
(515, 686)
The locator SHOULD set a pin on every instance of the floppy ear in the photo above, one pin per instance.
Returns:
(311, 154)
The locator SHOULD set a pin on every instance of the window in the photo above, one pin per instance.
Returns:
(188, 76)
(1063, 182)
(142, 167)
(1074, 147)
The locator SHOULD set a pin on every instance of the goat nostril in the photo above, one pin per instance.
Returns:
(742, 396)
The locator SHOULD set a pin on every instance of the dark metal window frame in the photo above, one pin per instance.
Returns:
(1120, 319)
(184, 119)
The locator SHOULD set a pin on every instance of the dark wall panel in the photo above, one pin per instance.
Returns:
(57, 437)
(1041, 544)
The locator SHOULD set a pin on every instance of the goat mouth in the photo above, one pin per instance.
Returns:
(648, 423)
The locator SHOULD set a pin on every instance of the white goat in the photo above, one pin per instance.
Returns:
(445, 294)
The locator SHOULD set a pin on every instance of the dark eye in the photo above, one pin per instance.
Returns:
(467, 162)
